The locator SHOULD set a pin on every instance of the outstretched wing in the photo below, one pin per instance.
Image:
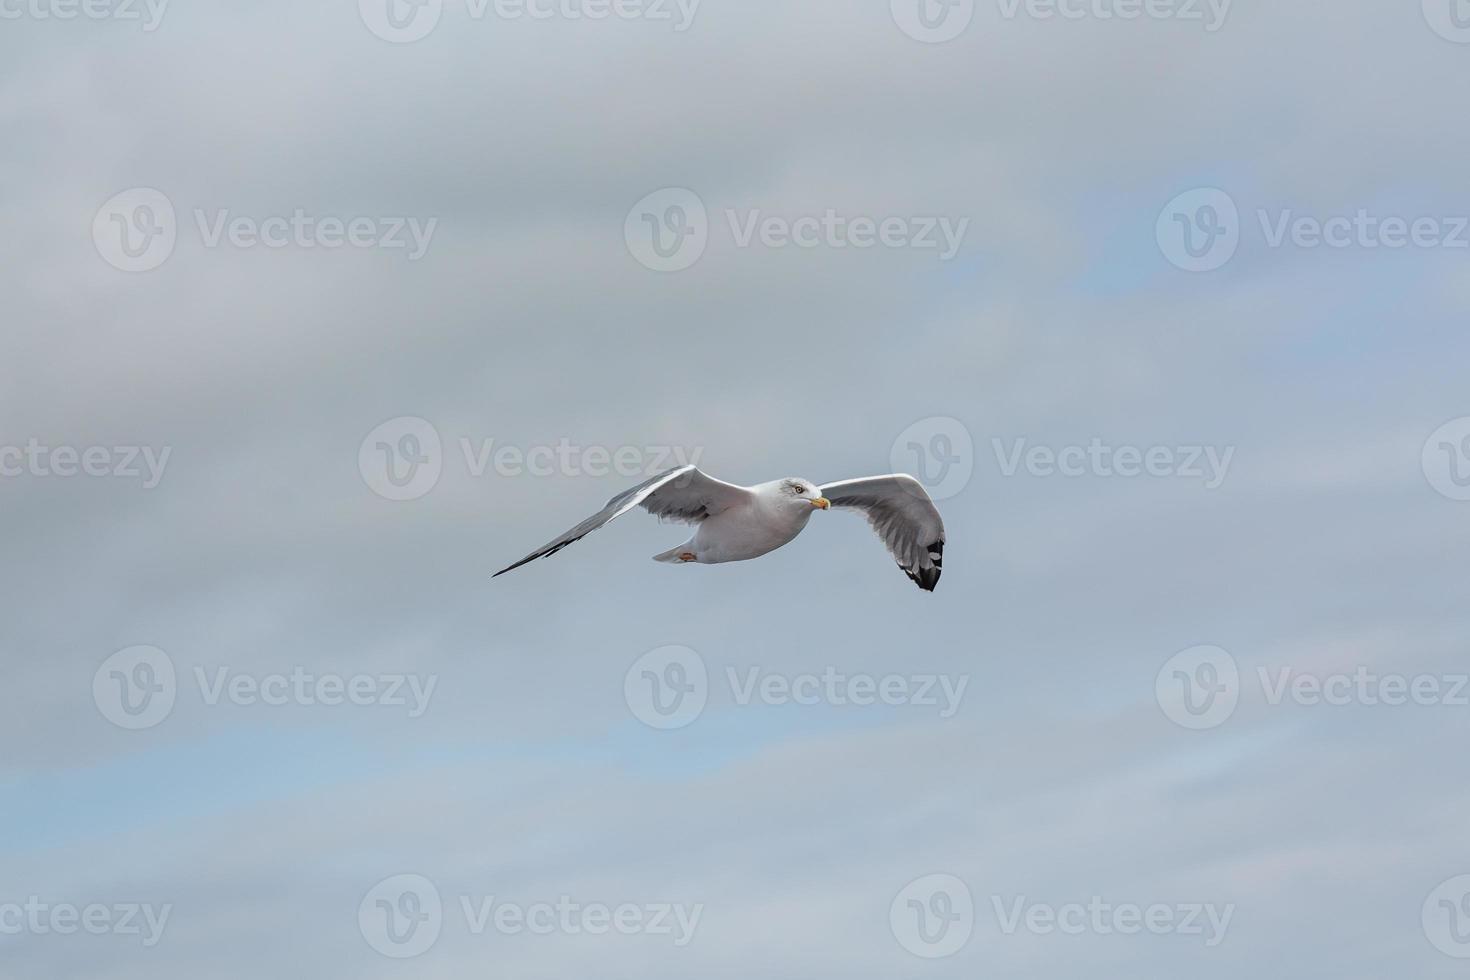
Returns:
(682, 494)
(905, 518)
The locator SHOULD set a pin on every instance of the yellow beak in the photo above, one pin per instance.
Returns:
(821, 502)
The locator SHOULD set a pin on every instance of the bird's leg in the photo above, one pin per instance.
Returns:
(687, 556)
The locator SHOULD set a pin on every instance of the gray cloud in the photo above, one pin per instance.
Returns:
(529, 322)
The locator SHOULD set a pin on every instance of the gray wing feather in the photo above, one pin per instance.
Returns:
(682, 494)
(899, 509)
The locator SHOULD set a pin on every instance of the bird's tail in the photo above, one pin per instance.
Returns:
(672, 555)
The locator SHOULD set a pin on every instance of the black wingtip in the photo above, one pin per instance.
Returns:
(511, 568)
(928, 578)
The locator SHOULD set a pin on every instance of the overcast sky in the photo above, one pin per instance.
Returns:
(316, 314)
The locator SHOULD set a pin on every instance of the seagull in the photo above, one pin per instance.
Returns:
(739, 523)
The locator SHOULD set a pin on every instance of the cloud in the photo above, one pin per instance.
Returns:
(529, 322)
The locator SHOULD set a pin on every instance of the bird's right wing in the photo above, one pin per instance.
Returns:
(900, 510)
(682, 494)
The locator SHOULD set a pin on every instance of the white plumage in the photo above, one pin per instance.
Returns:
(738, 523)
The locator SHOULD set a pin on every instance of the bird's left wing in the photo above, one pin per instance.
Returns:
(905, 518)
(682, 494)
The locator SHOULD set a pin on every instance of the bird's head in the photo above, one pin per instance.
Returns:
(804, 494)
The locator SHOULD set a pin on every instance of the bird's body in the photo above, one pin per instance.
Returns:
(739, 523)
(744, 532)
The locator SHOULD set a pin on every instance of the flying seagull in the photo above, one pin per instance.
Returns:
(738, 523)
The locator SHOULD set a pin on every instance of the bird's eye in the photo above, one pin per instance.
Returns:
(800, 489)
